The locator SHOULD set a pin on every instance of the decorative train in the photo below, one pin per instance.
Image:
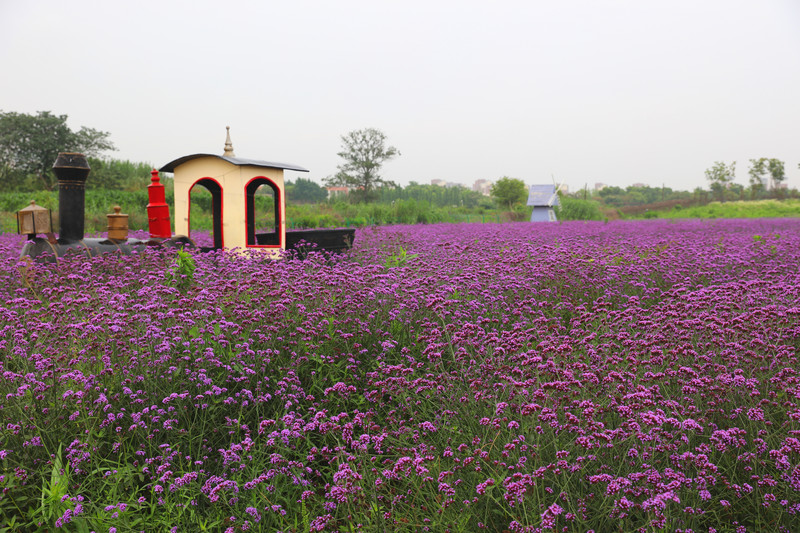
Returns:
(233, 183)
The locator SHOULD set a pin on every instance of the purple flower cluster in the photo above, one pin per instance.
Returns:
(522, 377)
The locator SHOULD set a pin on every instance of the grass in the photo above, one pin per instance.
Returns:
(738, 209)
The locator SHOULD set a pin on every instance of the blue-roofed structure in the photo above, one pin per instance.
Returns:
(543, 199)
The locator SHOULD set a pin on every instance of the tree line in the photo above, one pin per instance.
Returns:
(29, 144)
(766, 179)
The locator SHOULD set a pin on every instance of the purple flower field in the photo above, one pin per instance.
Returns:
(629, 376)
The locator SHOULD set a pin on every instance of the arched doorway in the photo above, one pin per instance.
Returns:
(263, 213)
(214, 206)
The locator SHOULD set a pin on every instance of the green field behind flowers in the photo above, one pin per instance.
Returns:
(324, 215)
(741, 209)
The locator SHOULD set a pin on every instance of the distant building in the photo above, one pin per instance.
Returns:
(442, 183)
(543, 199)
(334, 192)
(599, 186)
(482, 186)
(639, 185)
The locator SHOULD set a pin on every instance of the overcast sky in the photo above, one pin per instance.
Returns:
(582, 91)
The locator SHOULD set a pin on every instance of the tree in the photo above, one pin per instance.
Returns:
(736, 190)
(777, 173)
(305, 191)
(29, 144)
(756, 171)
(759, 168)
(364, 152)
(611, 190)
(719, 176)
(509, 191)
(433, 195)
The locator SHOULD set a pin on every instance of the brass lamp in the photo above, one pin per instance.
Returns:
(34, 219)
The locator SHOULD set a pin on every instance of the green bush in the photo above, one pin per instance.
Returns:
(381, 213)
(522, 212)
(407, 211)
(356, 222)
(576, 209)
(305, 222)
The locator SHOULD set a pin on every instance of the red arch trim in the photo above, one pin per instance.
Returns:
(279, 222)
(221, 205)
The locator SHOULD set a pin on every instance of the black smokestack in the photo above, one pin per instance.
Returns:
(71, 170)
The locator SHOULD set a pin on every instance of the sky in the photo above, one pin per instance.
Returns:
(572, 91)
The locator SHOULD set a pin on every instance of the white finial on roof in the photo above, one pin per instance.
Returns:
(228, 144)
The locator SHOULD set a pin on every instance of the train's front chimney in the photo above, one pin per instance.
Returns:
(71, 170)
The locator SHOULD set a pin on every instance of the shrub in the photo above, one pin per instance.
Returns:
(575, 209)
